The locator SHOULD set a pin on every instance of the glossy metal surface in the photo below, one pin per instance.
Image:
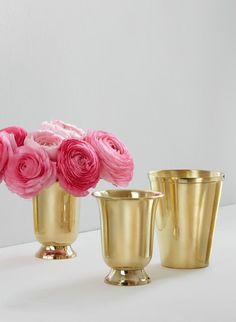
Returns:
(127, 277)
(56, 252)
(56, 220)
(127, 222)
(186, 215)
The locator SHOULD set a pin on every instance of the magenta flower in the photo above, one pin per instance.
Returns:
(18, 132)
(78, 166)
(29, 171)
(7, 146)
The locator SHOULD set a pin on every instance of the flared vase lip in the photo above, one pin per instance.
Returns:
(127, 194)
(188, 175)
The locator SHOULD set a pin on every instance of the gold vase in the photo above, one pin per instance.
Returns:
(56, 220)
(186, 215)
(127, 228)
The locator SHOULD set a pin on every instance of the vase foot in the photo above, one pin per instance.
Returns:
(56, 252)
(127, 277)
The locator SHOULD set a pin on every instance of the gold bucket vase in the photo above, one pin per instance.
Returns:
(186, 215)
(56, 220)
(127, 228)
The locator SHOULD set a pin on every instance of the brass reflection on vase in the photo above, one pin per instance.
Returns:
(186, 215)
(56, 220)
(127, 229)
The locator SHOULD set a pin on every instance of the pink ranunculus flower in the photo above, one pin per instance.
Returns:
(78, 166)
(63, 129)
(7, 147)
(47, 140)
(116, 162)
(18, 132)
(29, 171)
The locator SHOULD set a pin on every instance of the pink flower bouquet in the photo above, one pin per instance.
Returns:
(30, 162)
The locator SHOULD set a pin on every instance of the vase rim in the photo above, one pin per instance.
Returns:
(188, 175)
(127, 194)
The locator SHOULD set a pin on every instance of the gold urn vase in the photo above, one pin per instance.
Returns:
(186, 215)
(127, 229)
(56, 219)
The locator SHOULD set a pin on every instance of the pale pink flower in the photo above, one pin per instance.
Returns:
(78, 166)
(116, 162)
(29, 171)
(63, 129)
(47, 140)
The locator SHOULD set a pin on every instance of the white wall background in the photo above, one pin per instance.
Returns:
(159, 74)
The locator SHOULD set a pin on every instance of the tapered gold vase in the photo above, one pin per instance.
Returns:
(127, 228)
(56, 219)
(186, 215)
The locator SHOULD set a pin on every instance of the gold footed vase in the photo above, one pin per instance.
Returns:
(186, 215)
(56, 220)
(127, 228)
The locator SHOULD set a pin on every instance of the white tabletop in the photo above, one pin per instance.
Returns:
(73, 290)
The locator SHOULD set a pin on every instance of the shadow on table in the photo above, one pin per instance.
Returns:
(160, 273)
(80, 294)
(84, 294)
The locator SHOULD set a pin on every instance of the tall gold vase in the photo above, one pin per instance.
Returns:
(56, 220)
(127, 228)
(187, 215)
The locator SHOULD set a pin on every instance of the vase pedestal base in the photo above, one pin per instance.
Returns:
(127, 277)
(56, 252)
